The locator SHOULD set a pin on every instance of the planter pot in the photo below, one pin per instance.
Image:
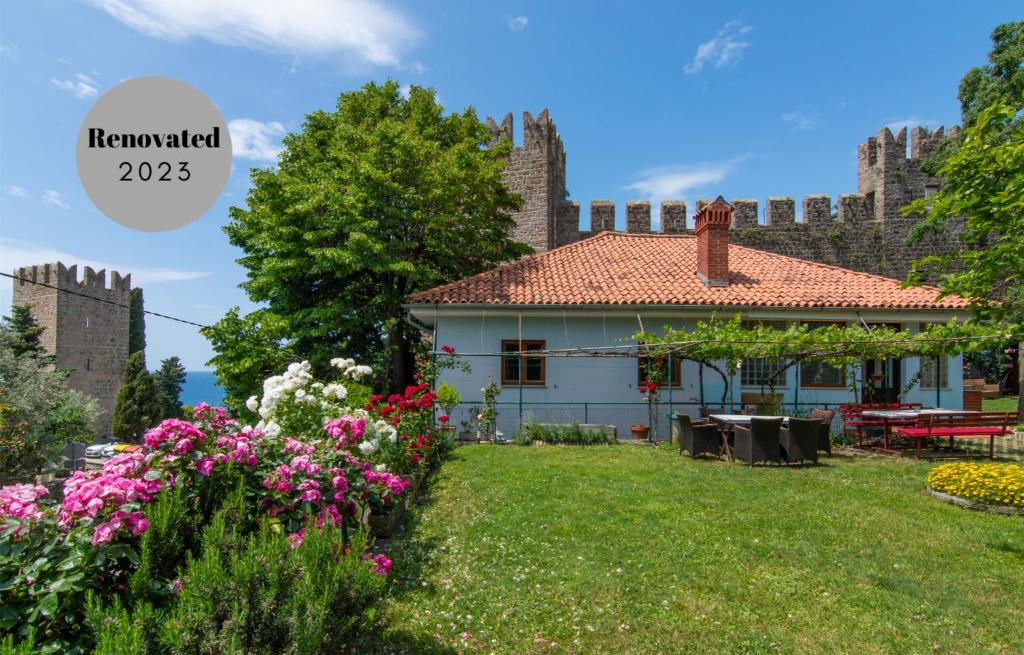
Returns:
(639, 431)
(383, 526)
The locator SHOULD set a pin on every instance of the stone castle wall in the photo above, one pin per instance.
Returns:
(87, 335)
(863, 231)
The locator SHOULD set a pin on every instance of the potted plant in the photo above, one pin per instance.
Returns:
(649, 390)
(448, 398)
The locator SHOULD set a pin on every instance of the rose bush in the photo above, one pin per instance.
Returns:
(310, 461)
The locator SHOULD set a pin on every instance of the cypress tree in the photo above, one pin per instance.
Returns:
(169, 379)
(138, 407)
(136, 323)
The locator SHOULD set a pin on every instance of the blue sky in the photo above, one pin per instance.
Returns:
(743, 99)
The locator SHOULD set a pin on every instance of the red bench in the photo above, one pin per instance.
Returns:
(854, 420)
(959, 425)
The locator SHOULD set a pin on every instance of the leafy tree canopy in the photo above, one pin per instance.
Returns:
(384, 196)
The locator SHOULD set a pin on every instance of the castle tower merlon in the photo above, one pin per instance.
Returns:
(673, 217)
(499, 132)
(781, 210)
(638, 216)
(854, 208)
(817, 208)
(602, 215)
(744, 213)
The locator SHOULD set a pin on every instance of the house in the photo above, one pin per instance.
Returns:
(596, 293)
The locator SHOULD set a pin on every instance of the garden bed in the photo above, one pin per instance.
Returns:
(963, 502)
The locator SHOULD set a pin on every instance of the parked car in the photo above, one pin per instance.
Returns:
(96, 450)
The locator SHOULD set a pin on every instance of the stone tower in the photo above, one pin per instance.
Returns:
(536, 171)
(87, 333)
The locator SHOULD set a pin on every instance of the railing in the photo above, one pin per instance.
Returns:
(512, 415)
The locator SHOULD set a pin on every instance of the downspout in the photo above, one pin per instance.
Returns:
(522, 365)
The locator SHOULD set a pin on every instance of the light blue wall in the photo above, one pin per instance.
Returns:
(603, 389)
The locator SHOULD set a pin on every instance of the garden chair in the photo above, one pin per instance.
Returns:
(697, 438)
(825, 431)
(759, 442)
(705, 412)
(800, 439)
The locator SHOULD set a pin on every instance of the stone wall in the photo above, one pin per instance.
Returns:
(863, 231)
(87, 335)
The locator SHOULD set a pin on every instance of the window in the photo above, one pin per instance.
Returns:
(88, 364)
(820, 374)
(656, 369)
(930, 190)
(930, 374)
(534, 368)
(86, 321)
(761, 371)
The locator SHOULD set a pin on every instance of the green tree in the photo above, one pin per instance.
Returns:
(383, 197)
(1001, 81)
(248, 350)
(136, 322)
(982, 181)
(38, 412)
(22, 332)
(138, 407)
(169, 379)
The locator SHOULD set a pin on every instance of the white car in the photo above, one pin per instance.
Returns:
(96, 450)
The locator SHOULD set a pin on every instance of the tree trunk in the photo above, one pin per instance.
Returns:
(403, 363)
(1020, 381)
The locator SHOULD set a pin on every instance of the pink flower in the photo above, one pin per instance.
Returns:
(176, 587)
(296, 538)
(102, 534)
(204, 465)
(448, 349)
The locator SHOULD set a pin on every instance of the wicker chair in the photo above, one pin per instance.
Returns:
(759, 442)
(825, 431)
(697, 438)
(800, 439)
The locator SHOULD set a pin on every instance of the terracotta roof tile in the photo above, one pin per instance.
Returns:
(615, 268)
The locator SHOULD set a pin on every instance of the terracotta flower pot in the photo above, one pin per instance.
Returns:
(639, 431)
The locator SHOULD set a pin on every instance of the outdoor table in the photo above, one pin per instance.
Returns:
(891, 417)
(727, 420)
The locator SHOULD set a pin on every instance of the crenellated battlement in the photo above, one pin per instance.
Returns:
(863, 231)
(66, 277)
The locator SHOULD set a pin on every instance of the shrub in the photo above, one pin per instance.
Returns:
(574, 434)
(993, 484)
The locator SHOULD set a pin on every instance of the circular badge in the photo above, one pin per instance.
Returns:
(154, 153)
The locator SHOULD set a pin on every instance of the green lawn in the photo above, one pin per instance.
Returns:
(626, 549)
(1004, 404)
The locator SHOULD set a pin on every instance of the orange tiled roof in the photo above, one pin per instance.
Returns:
(615, 268)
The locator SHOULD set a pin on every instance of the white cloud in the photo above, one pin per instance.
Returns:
(725, 48)
(9, 50)
(17, 191)
(54, 198)
(800, 120)
(82, 86)
(405, 90)
(518, 23)
(912, 122)
(15, 253)
(681, 182)
(368, 31)
(252, 139)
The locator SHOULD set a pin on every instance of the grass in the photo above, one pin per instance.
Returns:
(628, 549)
(1004, 404)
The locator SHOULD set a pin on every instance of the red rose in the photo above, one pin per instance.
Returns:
(448, 349)
(442, 419)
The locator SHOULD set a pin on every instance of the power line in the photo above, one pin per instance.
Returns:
(103, 300)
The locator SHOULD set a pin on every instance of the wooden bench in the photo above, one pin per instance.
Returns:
(959, 425)
(854, 421)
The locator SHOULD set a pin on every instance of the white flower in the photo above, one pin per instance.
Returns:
(380, 468)
(367, 447)
(300, 394)
(252, 404)
(272, 429)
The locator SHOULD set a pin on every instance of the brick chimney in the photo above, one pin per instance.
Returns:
(712, 227)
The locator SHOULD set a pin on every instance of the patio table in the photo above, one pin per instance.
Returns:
(891, 417)
(725, 421)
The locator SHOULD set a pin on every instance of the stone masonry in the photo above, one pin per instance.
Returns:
(863, 231)
(87, 337)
